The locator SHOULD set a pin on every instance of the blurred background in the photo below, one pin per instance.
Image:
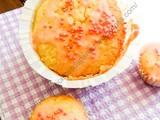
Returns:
(7, 5)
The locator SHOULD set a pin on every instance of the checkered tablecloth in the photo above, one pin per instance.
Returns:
(125, 97)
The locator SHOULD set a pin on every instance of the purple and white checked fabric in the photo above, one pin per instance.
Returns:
(124, 97)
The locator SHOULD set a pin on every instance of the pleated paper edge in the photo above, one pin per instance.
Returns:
(34, 61)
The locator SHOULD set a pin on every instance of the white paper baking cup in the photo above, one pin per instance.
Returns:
(34, 61)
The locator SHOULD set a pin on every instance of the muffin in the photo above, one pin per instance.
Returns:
(78, 39)
(59, 108)
(149, 64)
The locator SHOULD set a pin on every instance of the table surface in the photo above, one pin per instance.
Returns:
(6, 5)
(124, 97)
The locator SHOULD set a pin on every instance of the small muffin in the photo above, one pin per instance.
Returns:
(59, 108)
(149, 64)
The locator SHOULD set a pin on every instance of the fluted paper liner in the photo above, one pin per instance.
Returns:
(34, 61)
(147, 78)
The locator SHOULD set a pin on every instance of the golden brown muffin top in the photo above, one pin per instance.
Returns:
(59, 108)
(78, 38)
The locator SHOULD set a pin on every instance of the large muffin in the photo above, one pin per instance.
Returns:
(80, 38)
